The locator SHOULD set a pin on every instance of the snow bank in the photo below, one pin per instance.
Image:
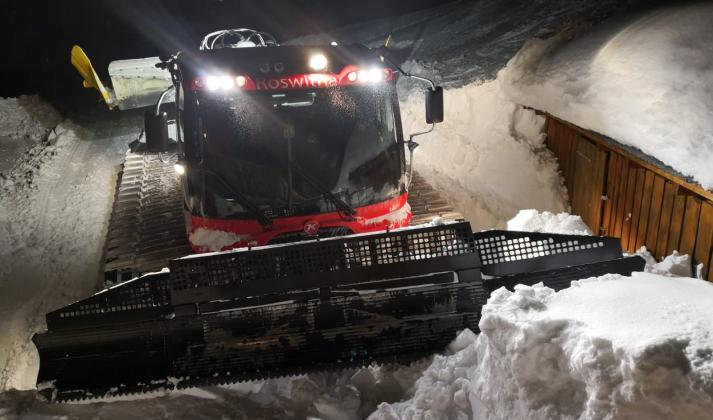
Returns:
(488, 156)
(24, 122)
(534, 221)
(608, 347)
(55, 202)
(27, 117)
(644, 80)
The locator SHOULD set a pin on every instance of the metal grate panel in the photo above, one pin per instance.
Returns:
(508, 252)
(146, 297)
(326, 263)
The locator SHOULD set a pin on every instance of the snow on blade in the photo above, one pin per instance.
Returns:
(644, 80)
(534, 221)
(215, 240)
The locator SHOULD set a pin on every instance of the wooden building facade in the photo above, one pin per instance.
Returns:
(619, 193)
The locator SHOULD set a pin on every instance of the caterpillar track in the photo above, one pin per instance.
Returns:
(147, 226)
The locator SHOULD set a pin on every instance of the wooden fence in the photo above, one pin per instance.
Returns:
(620, 194)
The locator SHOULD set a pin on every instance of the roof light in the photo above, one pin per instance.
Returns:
(226, 82)
(212, 82)
(376, 75)
(318, 62)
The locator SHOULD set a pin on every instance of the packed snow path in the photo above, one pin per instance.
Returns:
(54, 206)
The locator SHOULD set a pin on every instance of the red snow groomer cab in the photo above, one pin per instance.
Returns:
(282, 143)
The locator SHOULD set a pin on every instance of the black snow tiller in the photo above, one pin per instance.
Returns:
(388, 297)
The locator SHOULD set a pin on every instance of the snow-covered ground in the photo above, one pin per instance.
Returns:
(644, 80)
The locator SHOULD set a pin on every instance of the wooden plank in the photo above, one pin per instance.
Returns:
(589, 171)
(612, 181)
(621, 199)
(669, 196)
(690, 225)
(599, 189)
(677, 216)
(567, 158)
(702, 254)
(636, 213)
(632, 179)
(655, 214)
(645, 207)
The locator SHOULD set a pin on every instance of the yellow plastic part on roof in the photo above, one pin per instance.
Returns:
(81, 62)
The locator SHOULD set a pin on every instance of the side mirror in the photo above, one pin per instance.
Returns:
(434, 105)
(156, 131)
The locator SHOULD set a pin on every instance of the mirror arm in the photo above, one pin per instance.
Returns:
(160, 100)
(420, 133)
(402, 71)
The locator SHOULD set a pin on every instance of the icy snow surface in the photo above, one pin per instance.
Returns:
(645, 80)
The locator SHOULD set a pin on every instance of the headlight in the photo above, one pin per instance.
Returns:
(180, 169)
(318, 62)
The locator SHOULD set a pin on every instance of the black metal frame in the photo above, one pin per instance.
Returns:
(225, 317)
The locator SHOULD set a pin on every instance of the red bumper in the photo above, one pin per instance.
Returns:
(208, 235)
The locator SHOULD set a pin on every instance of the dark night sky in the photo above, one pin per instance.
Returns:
(39, 34)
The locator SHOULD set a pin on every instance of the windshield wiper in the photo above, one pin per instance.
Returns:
(264, 221)
(324, 192)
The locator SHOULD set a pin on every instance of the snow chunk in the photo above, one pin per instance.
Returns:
(624, 347)
(643, 80)
(215, 240)
(674, 265)
(546, 222)
(395, 218)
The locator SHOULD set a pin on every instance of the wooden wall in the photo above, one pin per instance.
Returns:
(619, 194)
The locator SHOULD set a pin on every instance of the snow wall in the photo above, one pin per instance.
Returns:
(645, 80)
(488, 156)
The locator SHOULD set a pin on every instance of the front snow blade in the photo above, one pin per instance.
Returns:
(288, 309)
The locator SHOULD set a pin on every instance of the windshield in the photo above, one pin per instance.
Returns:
(284, 151)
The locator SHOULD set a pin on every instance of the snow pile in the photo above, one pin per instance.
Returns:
(674, 265)
(644, 80)
(488, 156)
(608, 347)
(27, 117)
(534, 221)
